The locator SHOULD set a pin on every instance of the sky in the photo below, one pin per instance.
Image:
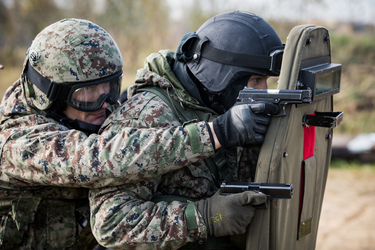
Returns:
(357, 11)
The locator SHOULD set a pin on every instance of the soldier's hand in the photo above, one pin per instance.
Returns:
(244, 124)
(229, 214)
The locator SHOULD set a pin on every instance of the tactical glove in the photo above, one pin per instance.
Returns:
(229, 214)
(244, 124)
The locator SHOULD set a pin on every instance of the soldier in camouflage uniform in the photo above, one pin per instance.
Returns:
(54, 145)
(50, 150)
(183, 206)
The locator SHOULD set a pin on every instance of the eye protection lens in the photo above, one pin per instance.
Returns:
(91, 97)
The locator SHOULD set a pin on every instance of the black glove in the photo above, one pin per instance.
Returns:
(244, 124)
(229, 214)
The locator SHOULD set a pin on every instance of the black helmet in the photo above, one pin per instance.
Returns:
(232, 45)
(225, 51)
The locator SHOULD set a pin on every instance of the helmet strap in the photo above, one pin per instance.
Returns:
(88, 128)
(272, 63)
(50, 88)
(55, 112)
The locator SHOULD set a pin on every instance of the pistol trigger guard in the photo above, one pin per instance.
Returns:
(283, 112)
(261, 206)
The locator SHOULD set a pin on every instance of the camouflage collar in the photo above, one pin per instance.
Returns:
(158, 72)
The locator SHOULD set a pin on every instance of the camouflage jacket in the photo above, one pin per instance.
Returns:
(46, 168)
(125, 216)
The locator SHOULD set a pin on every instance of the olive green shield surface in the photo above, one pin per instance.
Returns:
(293, 223)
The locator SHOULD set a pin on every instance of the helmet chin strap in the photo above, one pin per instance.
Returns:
(88, 128)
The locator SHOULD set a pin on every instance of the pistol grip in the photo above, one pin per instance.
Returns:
(261, 206)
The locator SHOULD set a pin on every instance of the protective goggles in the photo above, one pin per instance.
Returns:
(92, 95)
(88, 96)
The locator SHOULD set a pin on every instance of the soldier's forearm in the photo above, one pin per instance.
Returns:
(121, 220)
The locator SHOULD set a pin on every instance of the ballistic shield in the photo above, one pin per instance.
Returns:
(297, 146)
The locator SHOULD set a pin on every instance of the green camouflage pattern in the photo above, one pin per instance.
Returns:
(44, 218)
(58, 156)
(74, 50)
(125, 217)
(46, 169)
(71, 51)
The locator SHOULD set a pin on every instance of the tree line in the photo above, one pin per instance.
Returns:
(138, 27)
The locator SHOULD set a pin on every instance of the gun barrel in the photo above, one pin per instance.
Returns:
(278, 96)
(273, 190)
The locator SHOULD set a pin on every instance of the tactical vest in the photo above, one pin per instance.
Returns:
(47, 217)
(297, 146)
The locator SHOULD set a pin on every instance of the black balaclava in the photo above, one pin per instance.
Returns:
(221, 101)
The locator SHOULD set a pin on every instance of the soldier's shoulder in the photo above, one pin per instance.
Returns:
(144, 109)
(141, 105)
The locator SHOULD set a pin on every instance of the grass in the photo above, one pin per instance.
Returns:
(353, 174)
(354, 164)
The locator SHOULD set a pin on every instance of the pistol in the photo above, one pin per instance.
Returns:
(271, 190)
(282, 97)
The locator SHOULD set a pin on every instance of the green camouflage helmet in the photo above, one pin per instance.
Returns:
(67, 53)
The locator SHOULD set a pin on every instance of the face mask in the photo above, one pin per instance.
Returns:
(228, 96)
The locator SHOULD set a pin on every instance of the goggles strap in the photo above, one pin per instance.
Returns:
(54, 91)
(202, 49)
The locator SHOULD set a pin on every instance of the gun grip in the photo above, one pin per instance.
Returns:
(261, 206)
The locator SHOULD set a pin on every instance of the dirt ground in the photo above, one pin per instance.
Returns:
(348, 215)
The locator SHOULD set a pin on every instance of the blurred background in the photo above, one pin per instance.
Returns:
(145, 26)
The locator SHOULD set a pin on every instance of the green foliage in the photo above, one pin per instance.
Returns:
(356, 53)
(136, 26)
(354, 164)
(340, 163)
(351, 49)
(201, 11)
